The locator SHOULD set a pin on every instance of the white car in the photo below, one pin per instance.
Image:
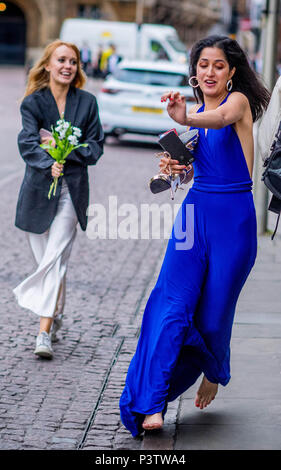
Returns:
(130, 99)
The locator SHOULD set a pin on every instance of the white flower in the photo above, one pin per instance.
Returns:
(73, 140)
(66, 125)
(62, 134)
(77, 131)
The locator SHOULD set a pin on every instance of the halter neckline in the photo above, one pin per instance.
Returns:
(222, 102)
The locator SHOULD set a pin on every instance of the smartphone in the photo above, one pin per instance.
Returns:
(172, 144)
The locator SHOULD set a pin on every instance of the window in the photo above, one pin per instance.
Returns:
(151, 77)
(177, 44)
(89, 11)
(158, 50)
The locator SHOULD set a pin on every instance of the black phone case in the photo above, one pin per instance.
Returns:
(172, 144)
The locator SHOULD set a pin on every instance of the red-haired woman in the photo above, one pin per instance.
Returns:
(54, 90)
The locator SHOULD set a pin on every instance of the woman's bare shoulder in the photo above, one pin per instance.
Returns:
(238, 97)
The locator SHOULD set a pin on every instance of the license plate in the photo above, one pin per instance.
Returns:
(142, 109)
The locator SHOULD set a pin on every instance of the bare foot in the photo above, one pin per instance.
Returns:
(206, 393)
(153, 422)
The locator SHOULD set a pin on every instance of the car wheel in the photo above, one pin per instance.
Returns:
(110, 135)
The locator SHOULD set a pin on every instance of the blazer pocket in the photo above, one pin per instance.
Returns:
(39, 179)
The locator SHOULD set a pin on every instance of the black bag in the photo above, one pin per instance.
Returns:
(272, 176)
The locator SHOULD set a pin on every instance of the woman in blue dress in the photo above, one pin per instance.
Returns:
(187, 322)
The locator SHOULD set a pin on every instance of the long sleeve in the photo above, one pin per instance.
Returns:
(93, 135)
(29, 138)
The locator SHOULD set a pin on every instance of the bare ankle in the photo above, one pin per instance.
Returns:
(154, 421)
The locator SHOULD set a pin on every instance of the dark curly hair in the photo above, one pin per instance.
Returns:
(245, 78)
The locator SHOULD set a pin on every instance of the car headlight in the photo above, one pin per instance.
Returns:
(182, 59)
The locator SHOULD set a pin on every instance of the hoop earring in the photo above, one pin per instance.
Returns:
(229, 85)
(190, 83)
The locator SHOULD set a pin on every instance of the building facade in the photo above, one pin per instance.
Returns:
(26, 26)
(192, 19)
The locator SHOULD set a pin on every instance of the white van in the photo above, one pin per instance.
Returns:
(149, 41)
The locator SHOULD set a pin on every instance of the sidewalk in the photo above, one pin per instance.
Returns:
(246, 414)
(72, 402)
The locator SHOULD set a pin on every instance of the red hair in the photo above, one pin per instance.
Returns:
(38, 76)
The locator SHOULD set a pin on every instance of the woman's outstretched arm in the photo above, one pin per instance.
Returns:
(228, 113)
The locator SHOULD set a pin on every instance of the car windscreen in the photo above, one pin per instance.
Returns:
(151, 77)
(177, 44)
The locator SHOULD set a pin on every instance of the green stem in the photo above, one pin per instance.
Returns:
(50, 190)
(55, 185)
(53, 188)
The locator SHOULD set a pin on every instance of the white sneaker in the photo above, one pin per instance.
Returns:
(43, 345)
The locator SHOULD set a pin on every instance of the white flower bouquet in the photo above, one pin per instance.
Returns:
(66, 138)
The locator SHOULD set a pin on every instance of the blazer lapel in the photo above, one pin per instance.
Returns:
(50, 108)
(72, 101)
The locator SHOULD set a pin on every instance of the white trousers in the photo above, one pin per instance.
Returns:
(44, 291)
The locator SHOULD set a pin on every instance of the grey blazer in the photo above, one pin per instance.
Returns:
(35, 212)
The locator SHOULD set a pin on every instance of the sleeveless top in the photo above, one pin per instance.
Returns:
(220, 164)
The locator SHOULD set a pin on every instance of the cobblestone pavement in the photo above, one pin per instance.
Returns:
(72, 401)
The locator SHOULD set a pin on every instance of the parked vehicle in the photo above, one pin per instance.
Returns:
(148, 41)
(130, 100)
